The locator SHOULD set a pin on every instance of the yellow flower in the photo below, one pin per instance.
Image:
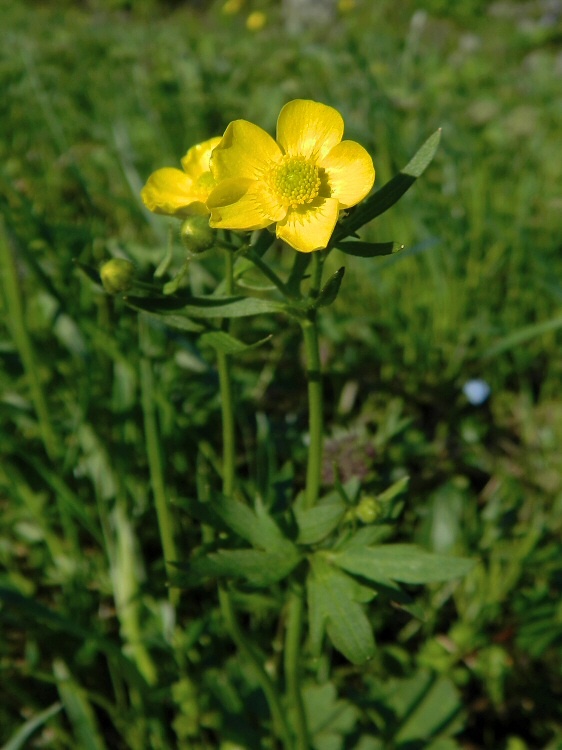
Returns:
(175, 193)
(300, 183)
(231, 7)
(256, 21)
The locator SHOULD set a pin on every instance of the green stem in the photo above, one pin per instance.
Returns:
(292, 666)
(22, 340)
(228, 485)
(268, 272)
(315, 409)
(151, 436)
(227, 410)
(281, 726)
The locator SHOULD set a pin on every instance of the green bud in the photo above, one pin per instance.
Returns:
(196, 234)
(117, 275)
(368, 510)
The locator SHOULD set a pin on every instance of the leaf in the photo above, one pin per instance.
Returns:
(395, 489)
(181, 322)
(390, 193)
(208, 307)
(91, 273)
(329, 718)
(333, 601)
(78, 709)
(401, 562)
(256, 567)
(226, 344)
(18, 741)
(256, 527)
(522, 334)
(31, 611)
(316, 523)
(330, 290)
(426, 707)
(368, 249)
(423, 157)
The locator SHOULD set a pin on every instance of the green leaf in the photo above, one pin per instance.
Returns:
(78, 709)
(18, 741)
(316, 523)
(256, 527)
(401, 562)
(390, 193)
(209, 307)
(423, 157)
(181, 322)
(522, 334)
(329, 718)
(334, 607)
(426, 706)
(256, 567)
(330, 290)
(226, 344)
(31, 611)
(91, 273)
(368, 249)
(394, 490)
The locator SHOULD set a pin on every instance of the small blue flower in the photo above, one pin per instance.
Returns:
(476, 391)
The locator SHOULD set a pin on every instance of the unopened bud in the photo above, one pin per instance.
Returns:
(117, 275)
(368, 510)
(196, 234)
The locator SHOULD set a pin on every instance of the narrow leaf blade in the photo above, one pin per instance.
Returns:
(226, 344)
(368, 249)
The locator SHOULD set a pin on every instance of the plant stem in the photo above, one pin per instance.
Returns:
(22, 340)
(292, 666)
(228, 485)
(245, 647)
(315, 409)
(268, 272)
(151, 436)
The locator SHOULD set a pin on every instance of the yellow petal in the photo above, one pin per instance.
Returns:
(245, 150)
(349, 171)
(169, 191)
(197, 159)
(243, 204)
(310, 227)
(309, 129)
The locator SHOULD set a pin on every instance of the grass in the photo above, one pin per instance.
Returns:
(95, 652)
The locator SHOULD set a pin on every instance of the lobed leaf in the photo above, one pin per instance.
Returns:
(334, 607)
(405, 563)
(316, 523)
(256, 567)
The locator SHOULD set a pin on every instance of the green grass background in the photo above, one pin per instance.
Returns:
(97, 95)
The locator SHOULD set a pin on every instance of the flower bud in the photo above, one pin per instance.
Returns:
(117, 275)
(368, 509)
(196, 234)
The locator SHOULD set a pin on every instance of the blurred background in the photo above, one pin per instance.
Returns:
(442, 362)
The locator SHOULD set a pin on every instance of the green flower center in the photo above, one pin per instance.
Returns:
(295, 180)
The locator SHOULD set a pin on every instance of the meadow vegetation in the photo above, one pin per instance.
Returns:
(103, 411)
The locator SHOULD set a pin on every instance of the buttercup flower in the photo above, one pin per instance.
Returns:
(175, 193)
(300, 182)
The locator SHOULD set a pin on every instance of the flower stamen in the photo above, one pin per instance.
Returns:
(295, 180)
